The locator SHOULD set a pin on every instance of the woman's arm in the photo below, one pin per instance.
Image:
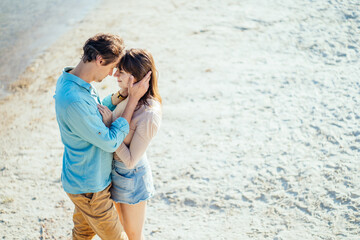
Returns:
(114, 99)
(119, 96)
(144, 132)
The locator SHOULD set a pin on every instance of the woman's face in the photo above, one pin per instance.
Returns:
(123, 78)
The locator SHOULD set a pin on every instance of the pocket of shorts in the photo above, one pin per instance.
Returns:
(122, 181)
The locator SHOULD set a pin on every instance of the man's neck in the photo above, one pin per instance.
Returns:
(83, 71)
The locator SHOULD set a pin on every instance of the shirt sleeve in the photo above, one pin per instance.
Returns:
(87, 124)
(144, 132)
(107, 102)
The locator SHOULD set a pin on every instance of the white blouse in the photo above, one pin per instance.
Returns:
(144, 125)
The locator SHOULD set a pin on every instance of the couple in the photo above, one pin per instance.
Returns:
(104, 161)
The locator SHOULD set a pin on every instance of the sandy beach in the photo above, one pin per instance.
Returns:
(260, 136)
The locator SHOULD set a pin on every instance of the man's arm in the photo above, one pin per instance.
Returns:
(87, 125)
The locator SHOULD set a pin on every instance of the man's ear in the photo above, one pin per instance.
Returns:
(99, 60)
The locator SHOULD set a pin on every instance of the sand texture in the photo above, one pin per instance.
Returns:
(260, 136)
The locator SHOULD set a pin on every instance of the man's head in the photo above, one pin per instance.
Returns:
(104, 50)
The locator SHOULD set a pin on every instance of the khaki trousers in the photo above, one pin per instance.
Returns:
(95, 214)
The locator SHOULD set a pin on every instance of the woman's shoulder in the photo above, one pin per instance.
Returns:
(149, 121)
(153, 109)
(152, 113)
(148, 113)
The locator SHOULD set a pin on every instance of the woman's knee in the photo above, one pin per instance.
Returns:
(133, 234)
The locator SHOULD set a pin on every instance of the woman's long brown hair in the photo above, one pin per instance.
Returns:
(139, 62)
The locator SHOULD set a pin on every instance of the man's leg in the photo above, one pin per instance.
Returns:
(81, 229)
(99, 212)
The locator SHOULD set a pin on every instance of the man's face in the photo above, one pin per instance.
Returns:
(105, 70)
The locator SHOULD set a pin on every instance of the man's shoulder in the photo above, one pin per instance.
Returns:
(71, 98)
(66, 93)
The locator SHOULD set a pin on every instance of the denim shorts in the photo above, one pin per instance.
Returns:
(131, 186)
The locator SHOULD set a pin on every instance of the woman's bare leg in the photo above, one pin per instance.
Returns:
(133, 219)
(118, 209)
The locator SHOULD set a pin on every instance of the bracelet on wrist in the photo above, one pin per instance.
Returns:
(121, 97)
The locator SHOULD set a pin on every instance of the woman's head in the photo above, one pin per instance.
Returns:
(137, 63)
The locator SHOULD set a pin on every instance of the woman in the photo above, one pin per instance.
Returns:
(131, 174)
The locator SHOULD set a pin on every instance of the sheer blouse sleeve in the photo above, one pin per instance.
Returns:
(145, 130)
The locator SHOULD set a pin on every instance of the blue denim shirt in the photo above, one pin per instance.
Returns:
(89, 144)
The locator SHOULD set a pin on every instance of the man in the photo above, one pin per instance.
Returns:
(89, 144)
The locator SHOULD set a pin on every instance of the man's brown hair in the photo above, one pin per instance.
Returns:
(110, 47)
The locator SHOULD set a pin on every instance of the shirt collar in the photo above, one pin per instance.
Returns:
(75, 79)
